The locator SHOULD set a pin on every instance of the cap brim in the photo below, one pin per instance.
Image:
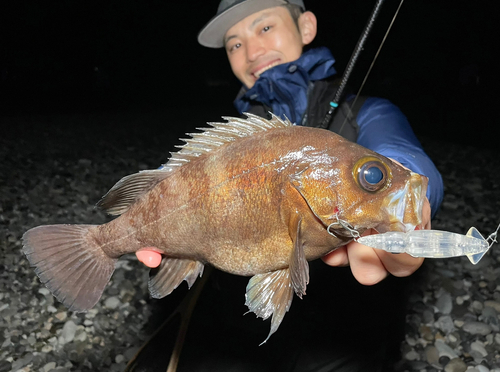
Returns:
(212, 35)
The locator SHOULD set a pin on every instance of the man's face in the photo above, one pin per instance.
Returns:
(261, 41)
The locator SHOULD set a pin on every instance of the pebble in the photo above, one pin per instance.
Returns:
(119, 358)
(68, 331)
(5, 366)
(44, 291)
(444, 350)
(49, 366)
(412, 355)
(62, 316)
(482, 368)
(20, 363)
(444, 303)
(432, 355)
(479, 347)
(112, 302)
(479, 368)
(445, 324)
(494, 304)
(455, 365)
(477, 328)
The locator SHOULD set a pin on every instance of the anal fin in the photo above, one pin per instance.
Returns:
(170, 274)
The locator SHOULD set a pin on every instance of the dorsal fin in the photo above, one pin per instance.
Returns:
(132, 187)
(219, 134)
(129, 189)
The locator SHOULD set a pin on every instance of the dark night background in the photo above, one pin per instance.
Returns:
(75, 56)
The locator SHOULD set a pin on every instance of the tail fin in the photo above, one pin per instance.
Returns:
(71, 264)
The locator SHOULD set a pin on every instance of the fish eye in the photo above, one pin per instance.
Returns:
(371, 174)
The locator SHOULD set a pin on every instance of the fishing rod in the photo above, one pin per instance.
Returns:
(354, 58)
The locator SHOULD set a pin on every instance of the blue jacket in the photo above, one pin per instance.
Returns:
(382, 127)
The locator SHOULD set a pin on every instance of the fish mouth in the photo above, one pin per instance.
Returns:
(404, 207)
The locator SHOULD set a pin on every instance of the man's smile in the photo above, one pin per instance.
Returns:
(260, 69)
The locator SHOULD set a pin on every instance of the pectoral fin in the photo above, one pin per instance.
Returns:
(171, 272)
(299, 267)
(272, 293)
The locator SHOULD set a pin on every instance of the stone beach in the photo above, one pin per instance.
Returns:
(54, 170)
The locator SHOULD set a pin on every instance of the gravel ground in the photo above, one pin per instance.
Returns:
(55, 168)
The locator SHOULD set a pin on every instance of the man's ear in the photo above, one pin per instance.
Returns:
(308, 26)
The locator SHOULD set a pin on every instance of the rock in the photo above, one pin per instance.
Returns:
(62, 316)
(444, 303)
(49, 366)
(445, 324)
(477, 328)
(417, 365)
(426, 333)
(444, 360)
(494, 304)
(20, 363)
(412, 355)
(68, 331)
(112, 302)
(432, 355)
(455, 365)
(5, 366)
(479, 347)
(481, 368)
(444, 350)
(477, 307)
(428, 316)
(44, 291)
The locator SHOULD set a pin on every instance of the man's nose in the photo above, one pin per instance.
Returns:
(254, 50)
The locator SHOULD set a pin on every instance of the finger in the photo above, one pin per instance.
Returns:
(337, 258)
(399, 265)
(366, 265)
(426, 215)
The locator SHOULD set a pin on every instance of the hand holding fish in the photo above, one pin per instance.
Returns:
(369, 265)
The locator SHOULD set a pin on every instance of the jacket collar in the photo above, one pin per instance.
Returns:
(284, 88)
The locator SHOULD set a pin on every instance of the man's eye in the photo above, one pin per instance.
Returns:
(267, 28)
(234, 47)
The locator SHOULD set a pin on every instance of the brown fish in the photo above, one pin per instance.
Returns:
(251, 197)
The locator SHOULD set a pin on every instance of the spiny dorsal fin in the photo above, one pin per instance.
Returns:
(129, 189)
(132, 187)
(219, 134)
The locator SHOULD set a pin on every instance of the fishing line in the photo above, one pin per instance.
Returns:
(357, 50)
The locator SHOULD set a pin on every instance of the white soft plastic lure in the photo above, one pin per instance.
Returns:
(433, 243)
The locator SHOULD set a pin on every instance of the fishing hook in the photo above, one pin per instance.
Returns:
(346, 225)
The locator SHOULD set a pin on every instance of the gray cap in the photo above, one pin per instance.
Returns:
(231, 12)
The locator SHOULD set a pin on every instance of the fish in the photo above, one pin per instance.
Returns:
(249, 196)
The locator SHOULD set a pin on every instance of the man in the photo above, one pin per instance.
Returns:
(264, 42)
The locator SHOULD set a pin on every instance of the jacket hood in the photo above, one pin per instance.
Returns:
(284, 88)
